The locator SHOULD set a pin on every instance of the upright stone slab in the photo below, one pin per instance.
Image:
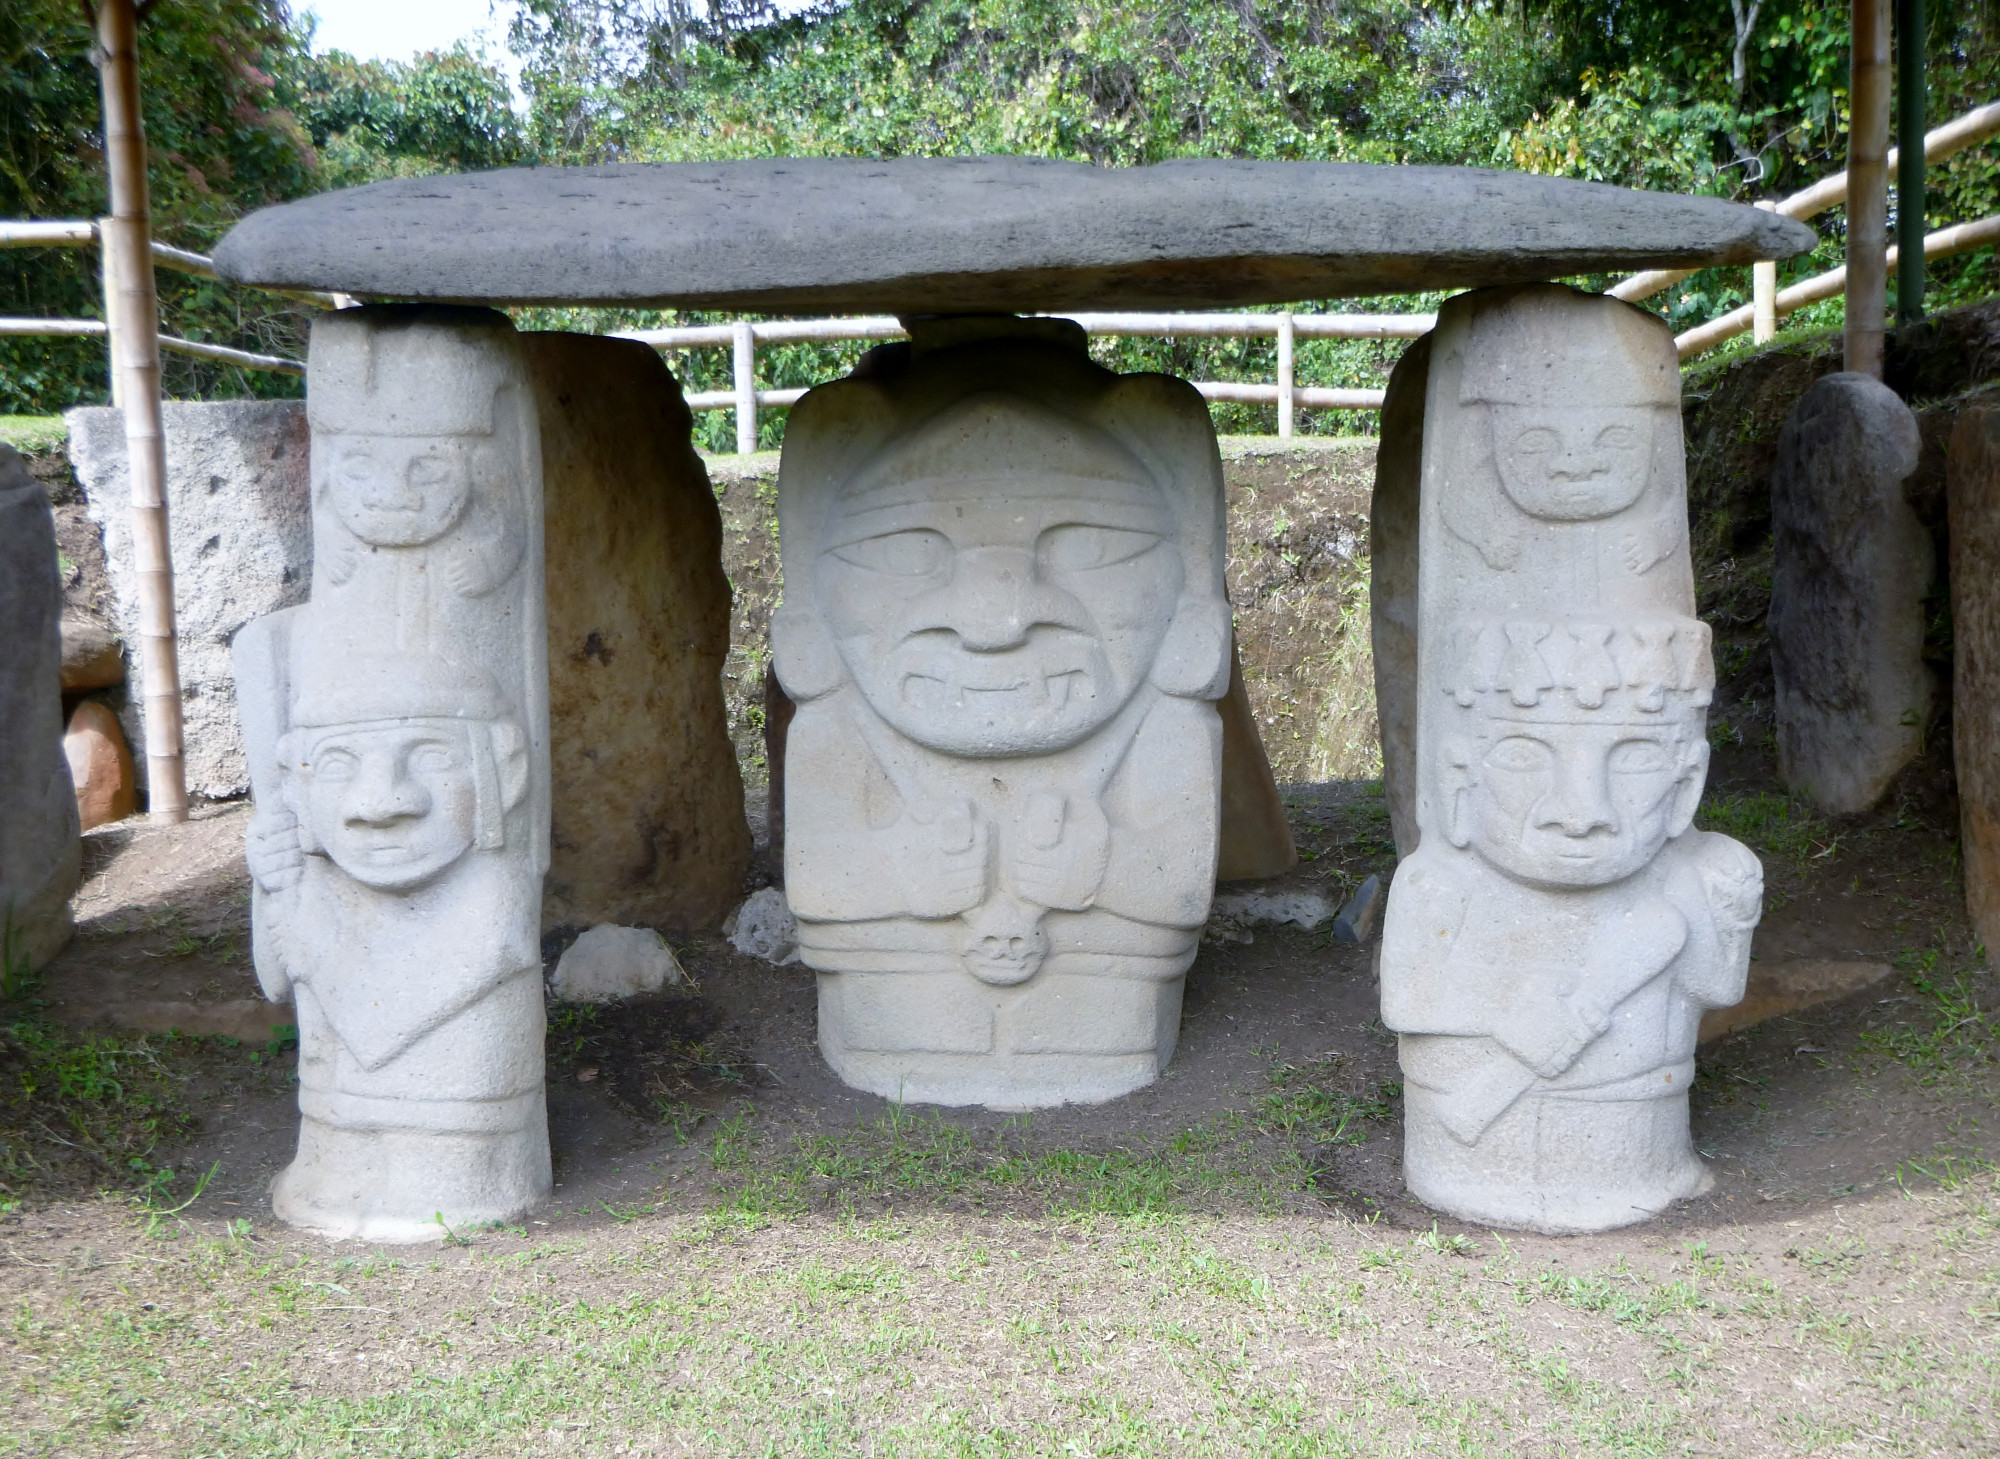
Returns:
(39, 851)
(397, 732)
(1972, 481)
(647, 798)
(1850, 565)
(1392, 585)
(242, 547)
(1553, 940)
(1005, 630)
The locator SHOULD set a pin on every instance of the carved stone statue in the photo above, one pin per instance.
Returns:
(1005, 629)
(1550, 946)
(396, 726)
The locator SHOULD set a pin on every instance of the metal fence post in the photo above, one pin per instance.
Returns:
(745, 352)
(1764, 293)
(1286, 336)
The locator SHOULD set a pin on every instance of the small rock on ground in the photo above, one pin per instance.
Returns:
(610, 962)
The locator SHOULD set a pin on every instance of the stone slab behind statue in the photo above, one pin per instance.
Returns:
(40, 852)
(237, 509)
(1850, 566)
(1973, 484)
(648, 801)
(1392, 601)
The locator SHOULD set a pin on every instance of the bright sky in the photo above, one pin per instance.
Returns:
(395, 30)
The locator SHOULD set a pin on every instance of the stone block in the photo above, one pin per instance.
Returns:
(100, 763)
(1005, 632)
(1775, 989)
(92, 657)
(648, 801)
(1973, 488)
(237, 517)
(1550, 944)
(396, 733)
(1392, 585)
(40, 854)
(1850, 566)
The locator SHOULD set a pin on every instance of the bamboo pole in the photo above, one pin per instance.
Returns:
(1910, 160)
(134, 315)
(1764, 293)
(1286, 383)
(1867, 188)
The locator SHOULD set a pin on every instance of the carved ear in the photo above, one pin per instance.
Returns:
(1193, 662)
(1457, 785)
(291, 792)
(510, 762)
(1687, 792)
(802, 652)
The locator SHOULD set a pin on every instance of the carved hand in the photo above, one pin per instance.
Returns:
(1061, 845)
(1548, 1032)
(940, 853)
(271, 846)
(1640, 550)
(1734, 880)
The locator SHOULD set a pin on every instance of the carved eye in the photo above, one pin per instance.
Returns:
(1639, 757)
(913, 554)
(334, 765)
(433, 759)
(357, 466)
(1618, 438)
(428, 471)
(1519, 755)
(1078, 547)
(1538, 441)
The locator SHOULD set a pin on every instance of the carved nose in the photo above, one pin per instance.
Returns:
(382, 795)
(1578, 804)
(994, 598)
(1578, 466)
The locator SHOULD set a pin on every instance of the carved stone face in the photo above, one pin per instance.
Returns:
(399, 491)
(1008, 620)
(1576, 804)
(1576, 463)
(393, 804)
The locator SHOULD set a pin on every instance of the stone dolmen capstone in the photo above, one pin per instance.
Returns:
(1005, 631)
(1850, 566)
(1972, 482)
(397, 732)
(1552, 941)
(40, 854)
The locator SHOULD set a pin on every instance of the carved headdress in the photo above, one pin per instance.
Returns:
(1640, 670)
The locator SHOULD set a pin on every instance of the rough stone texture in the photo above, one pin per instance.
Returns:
(976, 234)
(241, 543)
(1974, 488)
(1392, 600)
(100, 764)
(648, 801)
(1256, 840)
(1005, 630)
(608, 963)
(763, 927)
(1775, 989)
(1551, 943)
(1851, 564)
(40, 855)
(91, 656)
(396, 728)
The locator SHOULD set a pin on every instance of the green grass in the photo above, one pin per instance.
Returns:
(31, 435)
(1769, 823)
(1950, 1040)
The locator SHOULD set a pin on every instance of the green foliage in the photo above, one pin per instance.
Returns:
(368, 120)
(83, 1107)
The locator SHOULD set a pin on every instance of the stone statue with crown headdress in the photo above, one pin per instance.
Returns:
(1005, 628)
(396, 726)
(1549, 948)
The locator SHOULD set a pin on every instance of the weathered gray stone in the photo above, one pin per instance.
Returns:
(763, 927)
(1392, 585)
(1550, 944)
(609, 963)
(237, 513)
(1005, 629)
(1972, 477)
(1850, 565)
(647, 798)
(40, 853)
(998, 234)
(396, 729)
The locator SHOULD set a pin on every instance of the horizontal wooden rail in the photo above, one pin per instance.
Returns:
(199, 349)
(1941, 244)
(1830, 192)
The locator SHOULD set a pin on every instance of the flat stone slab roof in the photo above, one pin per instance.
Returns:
(975, 234)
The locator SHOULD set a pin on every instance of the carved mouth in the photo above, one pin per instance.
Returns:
(1033, 694)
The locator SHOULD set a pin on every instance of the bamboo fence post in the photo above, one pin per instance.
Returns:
(1286, 376)
(1867, 188)
(745, 360)
(1764, 293)
(1910, 160)
(133, 312)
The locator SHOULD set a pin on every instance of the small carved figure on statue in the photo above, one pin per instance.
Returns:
(1005, 629)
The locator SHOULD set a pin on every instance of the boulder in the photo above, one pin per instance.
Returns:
(1973, 485)
(1850, 564)
(648, 801)
(1256, 840)
(237, 498)
(763, 927)
(609, 963)
(100, 762)
(961, 235)
(91, 656)
(40, 853)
